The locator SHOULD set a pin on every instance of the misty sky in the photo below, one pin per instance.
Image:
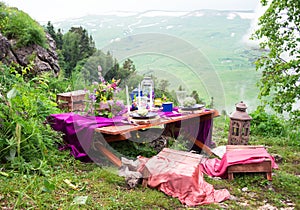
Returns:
(44, 10)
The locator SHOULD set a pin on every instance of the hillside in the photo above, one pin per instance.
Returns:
(202, 50)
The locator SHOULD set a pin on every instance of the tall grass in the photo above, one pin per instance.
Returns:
(25, 141)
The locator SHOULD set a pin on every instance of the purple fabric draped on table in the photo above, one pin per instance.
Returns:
(202, 131)
(79, 130)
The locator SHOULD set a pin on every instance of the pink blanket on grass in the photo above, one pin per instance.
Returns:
(217, 168)
(178, 174)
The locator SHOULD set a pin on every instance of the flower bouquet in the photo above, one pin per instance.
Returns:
(102, 97)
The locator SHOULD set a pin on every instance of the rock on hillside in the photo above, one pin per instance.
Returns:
(44, 59)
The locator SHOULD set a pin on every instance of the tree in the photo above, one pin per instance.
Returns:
(70, 52)
(77, 46)
(163, 84)
(57, 36)
(117, 72)
(59, 39)
(279, 35)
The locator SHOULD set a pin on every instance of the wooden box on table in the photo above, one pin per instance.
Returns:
(262, 167)
(72, 101)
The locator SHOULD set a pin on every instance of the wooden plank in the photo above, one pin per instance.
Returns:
(263, 167)
(205, 148)
(115, 130)
(119, 137)
(112, 158)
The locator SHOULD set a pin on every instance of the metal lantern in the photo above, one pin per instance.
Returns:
(239, 130)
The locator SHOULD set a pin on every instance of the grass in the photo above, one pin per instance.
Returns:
(106, 190)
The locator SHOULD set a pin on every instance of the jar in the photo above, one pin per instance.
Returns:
(147, 86)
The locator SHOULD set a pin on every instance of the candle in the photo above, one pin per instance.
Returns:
(127, 99)
(151, 102)
(139, 96)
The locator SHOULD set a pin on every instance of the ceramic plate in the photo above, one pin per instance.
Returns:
(150, 115)
(195, 107)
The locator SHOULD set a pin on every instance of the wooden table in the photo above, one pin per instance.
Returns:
(122, 132)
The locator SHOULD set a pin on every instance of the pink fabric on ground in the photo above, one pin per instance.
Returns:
(216, 167)
(178, 174)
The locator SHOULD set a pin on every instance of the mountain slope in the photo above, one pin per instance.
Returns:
(200, 49)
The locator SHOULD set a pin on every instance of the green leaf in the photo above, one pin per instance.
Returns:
(48, 186)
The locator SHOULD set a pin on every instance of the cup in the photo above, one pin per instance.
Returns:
(143, 102)
(167, 106)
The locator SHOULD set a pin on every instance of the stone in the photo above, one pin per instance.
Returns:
(44, 59)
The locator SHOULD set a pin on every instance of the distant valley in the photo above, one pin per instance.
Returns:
(203, 50)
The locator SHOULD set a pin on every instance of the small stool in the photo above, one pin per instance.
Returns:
(263, 167)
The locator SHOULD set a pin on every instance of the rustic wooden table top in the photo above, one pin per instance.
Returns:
(134, 125)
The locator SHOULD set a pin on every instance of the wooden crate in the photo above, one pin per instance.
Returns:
(72, 101)
(263, 167)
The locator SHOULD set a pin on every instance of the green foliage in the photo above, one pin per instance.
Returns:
(266, 124)
(16, 24)
(77, 46)
(89, 67)
(163, 85)
(118, 72)
(280, 66)
(57, 36)
(164, 95)
(70, 52)
(195, 95)
(25, 140)
(132, 149)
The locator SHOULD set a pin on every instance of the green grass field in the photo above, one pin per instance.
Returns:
(104, 189)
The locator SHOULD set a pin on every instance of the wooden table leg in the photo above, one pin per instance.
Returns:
(114, 159)
(230, 176)
(269, 176)
(205, 148)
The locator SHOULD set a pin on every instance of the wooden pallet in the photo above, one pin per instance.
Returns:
(71, 101)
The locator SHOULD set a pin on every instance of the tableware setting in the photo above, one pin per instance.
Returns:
(149, 115)
(189, 104)
(192, 108)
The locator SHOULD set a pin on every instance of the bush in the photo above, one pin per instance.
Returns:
(16, 24)
(265, 124)
(25, 140)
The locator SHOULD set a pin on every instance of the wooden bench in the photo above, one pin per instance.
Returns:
(263, 167)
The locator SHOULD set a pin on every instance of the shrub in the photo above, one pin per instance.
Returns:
(25, 141)
(266, 124)
(16, 24)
